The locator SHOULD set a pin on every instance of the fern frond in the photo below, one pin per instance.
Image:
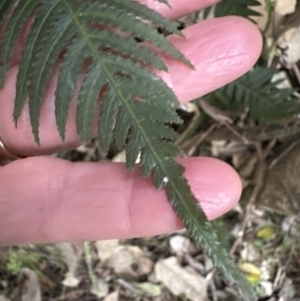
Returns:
(237, 7)
(136, 106)
(257, 92)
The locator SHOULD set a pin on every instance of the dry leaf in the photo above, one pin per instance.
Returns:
(285, 7)
(106, 248)
(71, 259)
(180, 280)
(245, 163)
(28, 286)
(253, 278)
(289, 42)
(149, 288)
(180, 244)
(263, 18)
(253, 273)
(120, 157)
(101, 290)
(282, 8)
(112, 297)
(130, 262)
(223, 148)
(266, 289)
(288, 223)
(266, 232)
(250, 253)
(281, 188)
(288, 290)
(188, 107)
(216, 114)
(289, 36)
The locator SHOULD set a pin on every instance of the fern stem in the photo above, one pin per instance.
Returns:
(270, 10)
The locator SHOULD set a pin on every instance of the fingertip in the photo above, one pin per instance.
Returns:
(221, 50)
(250, 38)
(178, 8)
(214, 183)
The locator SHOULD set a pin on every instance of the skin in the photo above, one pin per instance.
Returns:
(45, 199)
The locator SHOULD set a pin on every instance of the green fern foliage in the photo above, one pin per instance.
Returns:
(258, 92)
(237, 7)
(59, 23)
(4, 7)
(94, 43)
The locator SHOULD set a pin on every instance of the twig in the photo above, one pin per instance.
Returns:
(270, 11)
(196, 120)
(297, 72)
(71, 295)
(236, 133)
(213, 290)
(221, 117)
(259, 183)
(269, 147)
(197, 140)
(283, 154)
(129, 286)
(88, 259)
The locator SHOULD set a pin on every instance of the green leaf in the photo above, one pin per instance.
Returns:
(57, 35)
(5, 6)
(13, 28)
(166, 2)
(67, 79)
(237, 8)
(39, 26)
(257, 92)
(87, 106)
(111, 16)
(142, 11)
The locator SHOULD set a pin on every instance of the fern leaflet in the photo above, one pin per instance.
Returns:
(260, 94)
(136, 106)
(237, 7)
(5, 5)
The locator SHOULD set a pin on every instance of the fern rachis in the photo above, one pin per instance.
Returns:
(136, 106)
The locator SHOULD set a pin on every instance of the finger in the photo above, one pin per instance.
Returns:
(220, 49)
(179, 8)
(49, 200)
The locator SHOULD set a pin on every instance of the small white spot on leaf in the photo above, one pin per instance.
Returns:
(165, 180)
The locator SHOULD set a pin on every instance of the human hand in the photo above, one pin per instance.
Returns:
(45, 199)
